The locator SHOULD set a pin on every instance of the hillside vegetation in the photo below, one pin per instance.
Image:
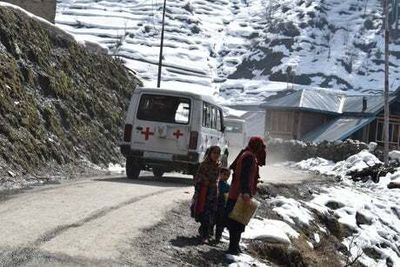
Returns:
(59, 103)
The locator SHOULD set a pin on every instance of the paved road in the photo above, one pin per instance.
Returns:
(90, 220)
(93, 221)
(277, 173)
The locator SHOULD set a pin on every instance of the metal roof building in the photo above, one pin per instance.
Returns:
(318, 115)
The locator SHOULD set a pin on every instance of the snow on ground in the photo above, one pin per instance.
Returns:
(115, 168)
(291, 210)
(370, 210)
(273, 231)
(244, 260)
(270, 230)
(340, 169)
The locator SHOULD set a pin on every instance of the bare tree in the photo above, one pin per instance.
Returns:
(351, 261)
(328, 38)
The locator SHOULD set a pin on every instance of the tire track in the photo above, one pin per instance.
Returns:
(97, 214)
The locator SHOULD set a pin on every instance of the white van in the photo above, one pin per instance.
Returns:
(168, 130)
(235, 133)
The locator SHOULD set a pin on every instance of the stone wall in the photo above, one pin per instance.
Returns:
(42, 8)
(283, 150)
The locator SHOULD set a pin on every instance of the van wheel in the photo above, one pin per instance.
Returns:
(132, 169)
(158, 173)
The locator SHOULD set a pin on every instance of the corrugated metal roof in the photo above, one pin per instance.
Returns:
(331, 101)
(354, 104)
(318, 100)
(339, 129)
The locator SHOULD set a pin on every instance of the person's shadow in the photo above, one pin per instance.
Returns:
(185, 241)
(212, 256)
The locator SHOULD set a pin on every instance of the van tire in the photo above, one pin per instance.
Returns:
(132, 169)
(158, 173)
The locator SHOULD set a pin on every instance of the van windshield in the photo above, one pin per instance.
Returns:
(163, 108)
(233, 127)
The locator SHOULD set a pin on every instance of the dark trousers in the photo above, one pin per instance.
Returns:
(235, 229)
(220, 224)
(206, 228)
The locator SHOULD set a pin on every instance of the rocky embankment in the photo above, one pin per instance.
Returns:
(60, 104)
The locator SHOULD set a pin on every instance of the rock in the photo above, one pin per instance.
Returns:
(95, 48)
(332, 225)
(372, 252)
(372, 147)
(334, 205)
(362, 219)
(394, 155)
(281, 254)
(394, 185)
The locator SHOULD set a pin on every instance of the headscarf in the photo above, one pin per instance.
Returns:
(207, 155)
(257, 146)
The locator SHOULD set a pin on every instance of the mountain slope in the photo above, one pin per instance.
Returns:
(55, 97)
(237, 46)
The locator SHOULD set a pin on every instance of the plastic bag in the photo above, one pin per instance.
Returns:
(243, 211)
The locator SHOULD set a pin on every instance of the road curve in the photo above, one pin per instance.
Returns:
(90, 220)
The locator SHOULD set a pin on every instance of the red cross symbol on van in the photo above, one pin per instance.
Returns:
(178, 133)
(147, 133)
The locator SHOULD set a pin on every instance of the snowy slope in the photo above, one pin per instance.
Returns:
(238, 46)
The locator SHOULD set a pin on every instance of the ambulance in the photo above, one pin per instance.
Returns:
(170, 130)
(235, 133)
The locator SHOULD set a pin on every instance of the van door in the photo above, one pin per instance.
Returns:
(162, 124)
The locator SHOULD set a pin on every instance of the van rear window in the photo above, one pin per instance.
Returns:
(233, 127)
(163, 108)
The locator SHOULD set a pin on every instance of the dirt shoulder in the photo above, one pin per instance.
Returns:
(174, 241)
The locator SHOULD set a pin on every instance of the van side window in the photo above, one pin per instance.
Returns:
(219, 120)
(214, 118)
(204, 119)
(208, 116)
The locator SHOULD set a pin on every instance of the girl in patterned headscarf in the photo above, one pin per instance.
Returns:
(205, 199)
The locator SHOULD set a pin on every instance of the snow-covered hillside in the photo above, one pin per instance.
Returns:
(238, 46)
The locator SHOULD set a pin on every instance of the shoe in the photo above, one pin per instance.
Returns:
(234, 252)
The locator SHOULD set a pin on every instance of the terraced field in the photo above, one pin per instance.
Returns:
(236, 48)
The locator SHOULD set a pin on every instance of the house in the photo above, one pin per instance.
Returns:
(42, 8)
(317, 115)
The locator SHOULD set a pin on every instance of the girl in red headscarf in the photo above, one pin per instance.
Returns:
(244, 184)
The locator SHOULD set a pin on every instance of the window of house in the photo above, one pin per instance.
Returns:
(394, 132)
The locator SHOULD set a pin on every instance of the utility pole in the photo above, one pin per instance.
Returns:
(386, 93)
(161, 47)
